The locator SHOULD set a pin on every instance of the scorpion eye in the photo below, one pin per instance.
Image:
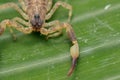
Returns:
(36, 16)
(36, 21)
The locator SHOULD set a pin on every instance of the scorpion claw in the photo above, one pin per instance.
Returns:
(75, 54)
(72, 66)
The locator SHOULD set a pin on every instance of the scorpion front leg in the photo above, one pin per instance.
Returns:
(14, 6)
(63, 4)
(57, 26)
(49, 5)
(14, 24)
(23, 5)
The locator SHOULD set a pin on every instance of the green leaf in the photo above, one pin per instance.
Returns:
(32, 57)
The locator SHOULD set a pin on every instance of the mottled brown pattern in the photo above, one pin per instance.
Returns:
(36, 7)
(71, 35)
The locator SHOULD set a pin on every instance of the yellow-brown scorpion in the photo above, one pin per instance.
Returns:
(35, 14)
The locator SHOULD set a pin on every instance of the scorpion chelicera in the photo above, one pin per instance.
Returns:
(35, 13)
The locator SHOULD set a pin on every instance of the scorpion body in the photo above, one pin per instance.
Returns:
(35, 13)
(36, 10)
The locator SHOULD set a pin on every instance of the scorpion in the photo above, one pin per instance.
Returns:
(35, 13)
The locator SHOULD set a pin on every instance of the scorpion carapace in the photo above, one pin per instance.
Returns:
(35, 14)
(36, 10)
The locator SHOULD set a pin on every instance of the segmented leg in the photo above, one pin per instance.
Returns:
(54, 34)
(19, 20)
(23, 5)
(14, 6)
(49, 5)
(63, 4)
(74, 50)
(51, 25)
(16, 19)
(13, 23)
(12, 33)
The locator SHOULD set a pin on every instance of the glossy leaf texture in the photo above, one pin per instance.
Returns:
(32, 57)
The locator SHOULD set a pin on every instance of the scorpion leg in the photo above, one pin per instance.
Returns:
(12, 33)
(23, 5)
(49, 5)
(63, 4)
(17, 19)
(14, 6)
(51, 26)
(14, 24)
(74, 50)
(55, 34)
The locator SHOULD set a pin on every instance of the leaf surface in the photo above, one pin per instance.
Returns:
(31, 57)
